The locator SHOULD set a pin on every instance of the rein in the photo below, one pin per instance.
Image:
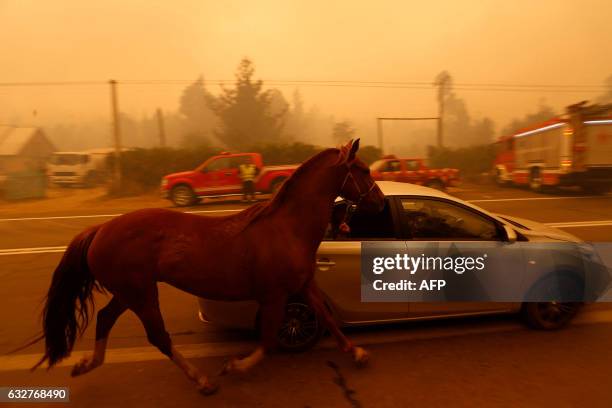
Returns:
(362, 195)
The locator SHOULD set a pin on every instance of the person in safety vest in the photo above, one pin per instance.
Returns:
(248, 171)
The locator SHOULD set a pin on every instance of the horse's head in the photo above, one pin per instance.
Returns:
(358, 186)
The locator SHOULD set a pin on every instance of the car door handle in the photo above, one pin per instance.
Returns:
(228, 173)
(325, 264)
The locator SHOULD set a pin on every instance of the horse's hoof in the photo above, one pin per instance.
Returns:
(361, 357)
(228, 367)
(82, 367)
(208, 388)
(234, 366)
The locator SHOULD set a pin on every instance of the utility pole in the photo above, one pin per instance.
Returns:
(160, 127)
(379, 126)
(380, 134)
(116, 134)
(442, 82)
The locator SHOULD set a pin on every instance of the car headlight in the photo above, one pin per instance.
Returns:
(164, 182)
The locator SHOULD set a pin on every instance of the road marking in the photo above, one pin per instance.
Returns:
(533, 199)
(69, 217)
(227, 349)
(39, 250)
(578, 224)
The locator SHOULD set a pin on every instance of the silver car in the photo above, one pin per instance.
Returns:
(338, 272)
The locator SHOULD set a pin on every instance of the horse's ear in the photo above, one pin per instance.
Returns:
(353, 151)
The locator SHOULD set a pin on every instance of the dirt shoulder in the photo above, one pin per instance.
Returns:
(78, 201)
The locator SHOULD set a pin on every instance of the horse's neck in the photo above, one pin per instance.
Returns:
(307, 210)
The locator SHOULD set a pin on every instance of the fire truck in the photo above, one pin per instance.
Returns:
(574, 149)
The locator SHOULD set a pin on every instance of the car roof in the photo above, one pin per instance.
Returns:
(390, 188)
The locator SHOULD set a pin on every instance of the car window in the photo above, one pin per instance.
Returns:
(424, 219)
(362, 226)
(221, 163)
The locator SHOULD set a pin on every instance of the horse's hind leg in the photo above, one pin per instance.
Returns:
(271, 318)
(151, 317)
(107, 316)
(315, 300)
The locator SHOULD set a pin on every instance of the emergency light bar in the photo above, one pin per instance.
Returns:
(599, 122)
(542, 129)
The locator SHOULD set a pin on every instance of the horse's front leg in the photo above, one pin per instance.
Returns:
(315, 300)
(271, 315)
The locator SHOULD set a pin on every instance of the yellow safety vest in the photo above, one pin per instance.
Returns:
(247, 172)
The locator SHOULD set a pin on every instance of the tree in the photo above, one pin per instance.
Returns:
(297, 123)
(606, 96)
(543, 114)
(483, 132)
(342, 132)
(369, 154)
(246, 113)
(199, 119)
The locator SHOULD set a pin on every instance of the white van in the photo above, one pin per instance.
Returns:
(86, 168)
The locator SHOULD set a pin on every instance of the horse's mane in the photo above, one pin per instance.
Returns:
(261, 209)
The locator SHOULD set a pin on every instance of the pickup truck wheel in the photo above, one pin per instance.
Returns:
(182, 196)
(437, 184)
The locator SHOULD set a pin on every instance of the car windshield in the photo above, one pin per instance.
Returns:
(68, 159)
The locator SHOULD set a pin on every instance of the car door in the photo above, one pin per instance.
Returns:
(339, 269)
(219, 176)
(443, 228)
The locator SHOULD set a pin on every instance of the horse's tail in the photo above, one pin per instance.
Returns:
(69, 300)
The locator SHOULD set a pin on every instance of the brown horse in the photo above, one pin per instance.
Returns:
(266, 253)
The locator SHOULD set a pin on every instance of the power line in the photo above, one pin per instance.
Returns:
(478, 87)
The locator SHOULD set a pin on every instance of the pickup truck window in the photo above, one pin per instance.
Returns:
(412, 165)
(221, 163)
(424, 219)
(392, 165)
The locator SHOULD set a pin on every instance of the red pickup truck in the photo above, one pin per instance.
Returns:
(414, 171)
(218, 177)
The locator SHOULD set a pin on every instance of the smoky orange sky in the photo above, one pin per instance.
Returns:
(516, 42)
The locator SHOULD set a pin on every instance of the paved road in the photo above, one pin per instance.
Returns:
(492, 361)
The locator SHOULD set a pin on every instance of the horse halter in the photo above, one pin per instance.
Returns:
(362, 195)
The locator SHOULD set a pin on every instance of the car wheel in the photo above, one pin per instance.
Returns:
(301, 328)
(552, 315)
(549, 315)
(182, 196)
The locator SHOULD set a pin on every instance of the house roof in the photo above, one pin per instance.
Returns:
(13, 139)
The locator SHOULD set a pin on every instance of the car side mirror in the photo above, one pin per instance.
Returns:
(510, 234)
